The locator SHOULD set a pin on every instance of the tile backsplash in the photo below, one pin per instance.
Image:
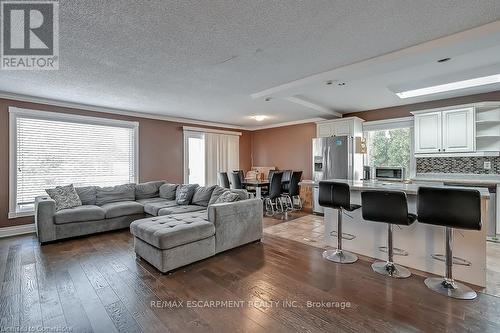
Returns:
(470, 165)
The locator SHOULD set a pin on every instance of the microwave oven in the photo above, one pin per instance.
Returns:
(390, 173)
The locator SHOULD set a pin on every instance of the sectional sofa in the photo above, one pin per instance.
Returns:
(172, 226)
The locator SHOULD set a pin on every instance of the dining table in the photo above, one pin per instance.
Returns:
(258, 184)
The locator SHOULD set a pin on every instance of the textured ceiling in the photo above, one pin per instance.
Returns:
(203, 59)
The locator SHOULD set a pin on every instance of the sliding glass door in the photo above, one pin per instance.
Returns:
(194, 158)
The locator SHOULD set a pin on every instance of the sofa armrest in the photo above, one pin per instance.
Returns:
(45, 208)
(236, 223)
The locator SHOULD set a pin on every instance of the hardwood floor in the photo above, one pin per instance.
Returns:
(96, 284)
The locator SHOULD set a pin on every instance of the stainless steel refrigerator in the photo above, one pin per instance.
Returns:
(334, 158)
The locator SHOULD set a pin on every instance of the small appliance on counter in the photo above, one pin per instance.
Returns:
(390, 173)
(367, 171)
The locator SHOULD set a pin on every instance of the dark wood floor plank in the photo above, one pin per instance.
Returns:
(121, 317)
(131, 298)
(30, 311)
(10, 295)
(74, 312)
(94, 309)
(51, 309)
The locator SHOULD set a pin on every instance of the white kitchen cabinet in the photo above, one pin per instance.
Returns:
(458, 130)
(351, 126)
(428, 137)
(324, 130)
(449, 131)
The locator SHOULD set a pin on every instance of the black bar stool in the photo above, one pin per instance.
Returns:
(453, 209)
(388, 207)
(338, 196)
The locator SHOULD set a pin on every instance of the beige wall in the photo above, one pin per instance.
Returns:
(288, 147)
(160, 150)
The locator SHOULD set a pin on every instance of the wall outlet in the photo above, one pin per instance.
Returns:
(487, 166)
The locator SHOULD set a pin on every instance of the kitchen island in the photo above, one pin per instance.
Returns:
(419, 240)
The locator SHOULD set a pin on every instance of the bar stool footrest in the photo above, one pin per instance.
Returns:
(345, 236)
(396, 251)
(456, 260)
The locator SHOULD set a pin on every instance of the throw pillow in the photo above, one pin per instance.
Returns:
(202, 195)
(116, 193)
(64, 196)
(216, 194)
(184, 193)
(228, 196)
(167, 191)
(148, 190)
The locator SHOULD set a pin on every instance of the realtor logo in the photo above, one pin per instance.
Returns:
(30, 35)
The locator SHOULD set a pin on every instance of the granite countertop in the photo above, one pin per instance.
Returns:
(394, 186)
(467, 179)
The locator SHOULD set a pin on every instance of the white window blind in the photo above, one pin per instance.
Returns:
(56, 149)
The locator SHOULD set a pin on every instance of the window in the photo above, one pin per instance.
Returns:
(390, 144)
(50, 149)
(208, 152)
(195, 150)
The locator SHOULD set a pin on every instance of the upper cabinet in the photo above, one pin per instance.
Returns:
(428, 138)
(448, 131)
(351, 126)
(459, 130)
(464, 130)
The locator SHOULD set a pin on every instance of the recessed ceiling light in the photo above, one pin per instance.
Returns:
(268, 99)
(259, 117)
(341, 84)
(329, 82)
(480, 81)
(444, 60)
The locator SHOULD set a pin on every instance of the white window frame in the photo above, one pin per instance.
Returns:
(394, 123)
(15, 112)
(189, 134)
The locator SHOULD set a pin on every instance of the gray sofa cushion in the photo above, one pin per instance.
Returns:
(116, 193)
(217, 192)
(149, 200)
(87, 194)
(167, 191)
(179, 209)
(202, 195)
(64, 196)
(170, 231)
(152, 208)
(228, 196)
(148, 190)
(79, 214)
(122, 208)
(184, 193)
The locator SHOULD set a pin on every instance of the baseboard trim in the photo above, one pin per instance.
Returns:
(17, 230)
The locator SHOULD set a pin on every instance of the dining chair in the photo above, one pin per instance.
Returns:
(272, 201)
(223, 179)
(236, 182)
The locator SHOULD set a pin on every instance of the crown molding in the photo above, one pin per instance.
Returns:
(86, 107)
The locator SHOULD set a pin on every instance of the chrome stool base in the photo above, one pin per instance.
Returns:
(451, 289)
(391, 270)
(340, 256)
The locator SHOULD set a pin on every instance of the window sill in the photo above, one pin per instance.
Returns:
(15, 215)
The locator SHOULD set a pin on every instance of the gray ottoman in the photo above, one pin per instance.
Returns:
(169, 242)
